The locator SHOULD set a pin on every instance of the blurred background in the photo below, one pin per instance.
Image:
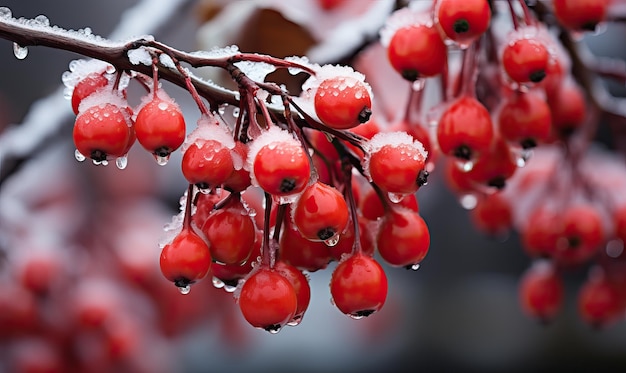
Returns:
(100, 226)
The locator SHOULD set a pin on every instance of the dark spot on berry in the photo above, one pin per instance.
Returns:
(365, 114)
(98, 155)
(162, 152)
(363, 313)
(498, 182)
(326, 233)
(203, 185)
(573, 242)
(528, 143)
(589, 26)
(410, 74)
(463, 152)
(537, 76)
(461, 26)
(182, 282)
(422, 178)
(274, 328)
(231, 283)
(287, 185)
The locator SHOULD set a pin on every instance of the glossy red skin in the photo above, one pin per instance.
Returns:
(346, 241)
(275, 164)
(207, 163)
(568, 107)
(186, 258)
(541, 232)
(239, 179)
(395, 169)
(466, 122)
(320, 207)
(372, 207)
(525, 116)
(340, 108)
(494, 166)
(583, 224)
(158, 129)
(300, 252)
(417, 50)
(580, 14)
(493, 214)
(541, 293)
(403, 238)
(231, 234)
(90, 84)
(267, 299)
(105, 129)
(475, 12)
(600, 302)
(523, 58)
(232, 273)
(300, 284)
(359, 285)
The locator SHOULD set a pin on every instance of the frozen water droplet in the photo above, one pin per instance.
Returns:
(121, 162)
(5, 12)
(110, 69)
(418, 84)
(333, 241)
(42, 20)
(356, 316)
(162, 161)
(217, 283)
(520, 161)
(230, 288)
(295, 321)
(467, 166)
(19, 51)
(79, 156)
(163, 105)
(185, 289)
(395, 197)
(274, 329)
(414, 267)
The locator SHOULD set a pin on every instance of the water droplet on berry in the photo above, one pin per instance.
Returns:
(121, 162)
(19, 51)
(103, 162)
(185, 289)
(395, 197)
(523, 157)
(295, 321)
(356, 316)
(414, 267)
(163, 105)
(333, 241)
(229, 288)
(236, 112)
(42, 20)
(79, 156)
(418, 84)
(162, 161)
(466, 166)
(5, 12)
(217, 283)
(273, 329)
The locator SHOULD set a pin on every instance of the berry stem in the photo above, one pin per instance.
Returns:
(528, 17)
(346, 167)
(267, 256)
(188, 206)
(155, 76)
(513, 15)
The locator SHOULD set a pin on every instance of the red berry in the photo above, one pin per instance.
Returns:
(396, 163)
(342, 102)
(207, 164)
(525, 119)
(599, 301)
(186, 259)
(463, 21)
(268, 300)
(160, 125)
(494, 166)
(582, 234)
(417, 51)
(300, 284)
(580, 14)
(525, 60)
(403, 238)
(88, 85)
(541, 291)
(359, 286)
(493, 214)
(103, 131)
(321, 213)
(465, 129)
(300, 252)
(568, 107)
(231, 233)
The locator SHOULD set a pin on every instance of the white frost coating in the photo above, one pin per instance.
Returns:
(300, 60)
(101, 98)
(140, 56)
(401, 18)
(256, 71)
(167, 61)
(393, 139)
(80, 69)
(209, 128)
(217, 52)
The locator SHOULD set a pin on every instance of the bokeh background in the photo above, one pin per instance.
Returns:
(458, 312)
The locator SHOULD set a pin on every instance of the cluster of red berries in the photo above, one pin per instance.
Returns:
(335, 185)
